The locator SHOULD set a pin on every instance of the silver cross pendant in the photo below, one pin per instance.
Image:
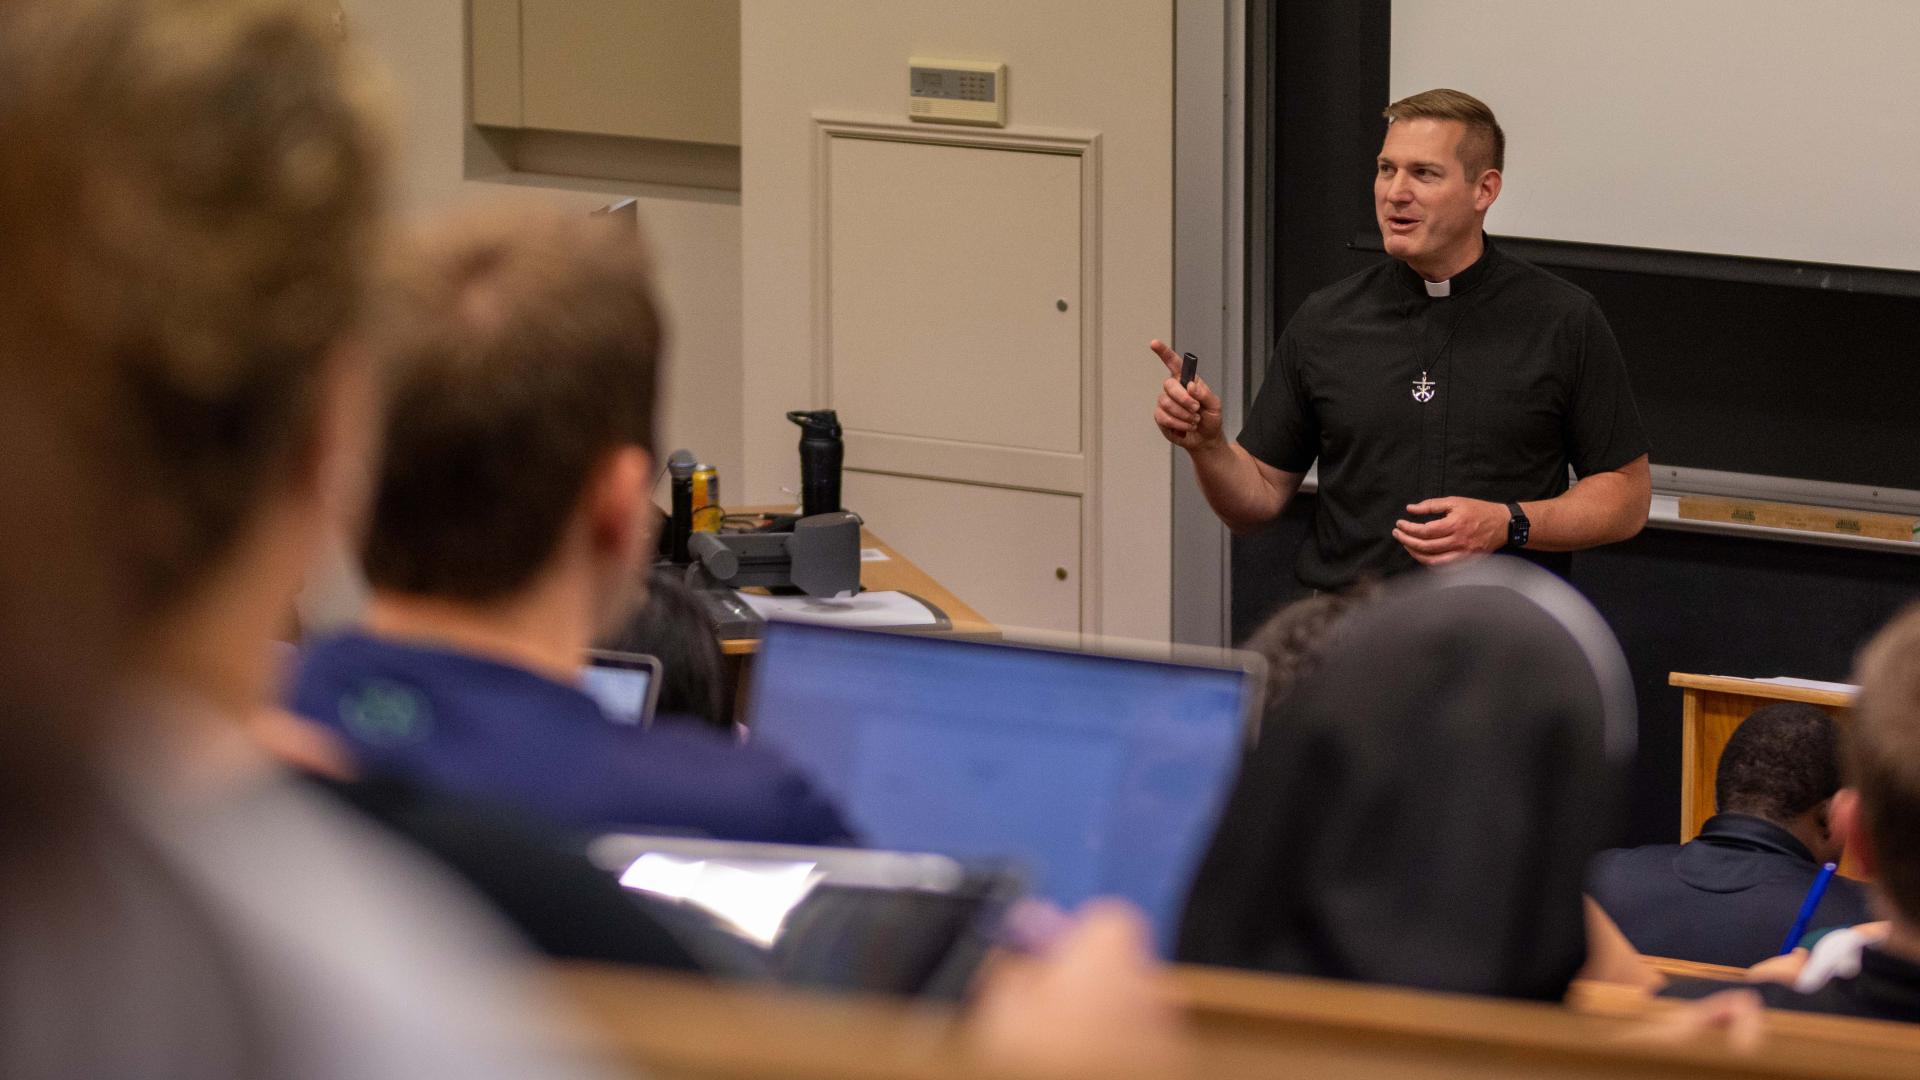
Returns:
(1423, 389)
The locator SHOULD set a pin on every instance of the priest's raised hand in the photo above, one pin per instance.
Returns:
(1189, 416)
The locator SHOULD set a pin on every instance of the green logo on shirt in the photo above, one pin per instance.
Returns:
(387, 713)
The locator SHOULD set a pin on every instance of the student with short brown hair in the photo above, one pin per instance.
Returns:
(522, 352)
(512, 527)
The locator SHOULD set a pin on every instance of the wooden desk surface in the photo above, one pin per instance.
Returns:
(897, 573)
(1236, 1024)
(1754, 688)
(1694, 969)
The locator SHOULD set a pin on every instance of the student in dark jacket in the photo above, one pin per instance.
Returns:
(1876, 974)
(512, 524)
(1730, 895)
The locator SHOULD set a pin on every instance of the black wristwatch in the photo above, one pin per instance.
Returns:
(1518, 527)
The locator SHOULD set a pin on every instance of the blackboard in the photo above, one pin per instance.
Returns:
(1773, 379)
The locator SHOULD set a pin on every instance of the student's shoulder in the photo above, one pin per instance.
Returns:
(702, 759)
(354, 655)
(485, 683)
(766, 795)
(1635, 858)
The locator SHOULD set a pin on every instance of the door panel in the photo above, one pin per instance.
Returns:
(953, 277)
(1002, 551)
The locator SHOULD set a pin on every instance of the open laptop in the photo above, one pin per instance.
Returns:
(626, 685)
(1098, 774)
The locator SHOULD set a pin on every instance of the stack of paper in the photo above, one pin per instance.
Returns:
(867, 609)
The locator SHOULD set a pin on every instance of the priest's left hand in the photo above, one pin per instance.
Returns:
(1465, 528)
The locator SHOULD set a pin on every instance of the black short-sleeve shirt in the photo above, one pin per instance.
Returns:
(1520, 375)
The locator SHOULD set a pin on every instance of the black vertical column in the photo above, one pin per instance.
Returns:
(1317, 80)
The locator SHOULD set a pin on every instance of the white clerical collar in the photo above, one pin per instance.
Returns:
(1438, 289)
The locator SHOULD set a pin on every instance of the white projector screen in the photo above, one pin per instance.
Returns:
(1784, 129)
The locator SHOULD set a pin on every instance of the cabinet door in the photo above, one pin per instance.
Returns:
(651, 69)
(1014, 556)
(954, 293)
(954, 346)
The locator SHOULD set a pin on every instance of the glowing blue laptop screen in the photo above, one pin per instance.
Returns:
(1102, 775)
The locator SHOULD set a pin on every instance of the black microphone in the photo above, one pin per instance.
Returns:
(680, 466)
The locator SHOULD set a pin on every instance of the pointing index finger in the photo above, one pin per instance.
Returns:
(1167, 356)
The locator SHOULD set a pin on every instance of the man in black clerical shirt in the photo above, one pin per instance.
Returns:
(1445, 393)
(1729, 895)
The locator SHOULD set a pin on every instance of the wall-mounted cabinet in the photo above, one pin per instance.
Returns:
(645, 90)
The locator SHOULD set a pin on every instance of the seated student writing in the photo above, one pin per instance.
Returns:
(1879, 821)
(1729, 895)
(511, 526)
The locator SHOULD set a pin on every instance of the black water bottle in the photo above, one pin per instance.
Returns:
(680, 466)
(821, 452)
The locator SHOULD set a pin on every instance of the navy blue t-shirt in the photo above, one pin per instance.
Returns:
(489, 730)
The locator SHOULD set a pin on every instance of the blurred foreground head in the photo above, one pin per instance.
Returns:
(1421, 809)
(190, 191)
(1882, 762)
(189, 205)
(190, 201)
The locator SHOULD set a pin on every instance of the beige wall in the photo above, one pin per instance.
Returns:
(737, 285)
(1100, 66)
(695, 235)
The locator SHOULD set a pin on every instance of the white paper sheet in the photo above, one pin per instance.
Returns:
(1811, 684)
(870, 609)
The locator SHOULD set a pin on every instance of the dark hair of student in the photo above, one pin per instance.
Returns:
(1783, 760)
(672, 627)
(1294, 640)
(1421, 810)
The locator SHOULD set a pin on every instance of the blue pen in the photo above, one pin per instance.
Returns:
(1806, 908)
